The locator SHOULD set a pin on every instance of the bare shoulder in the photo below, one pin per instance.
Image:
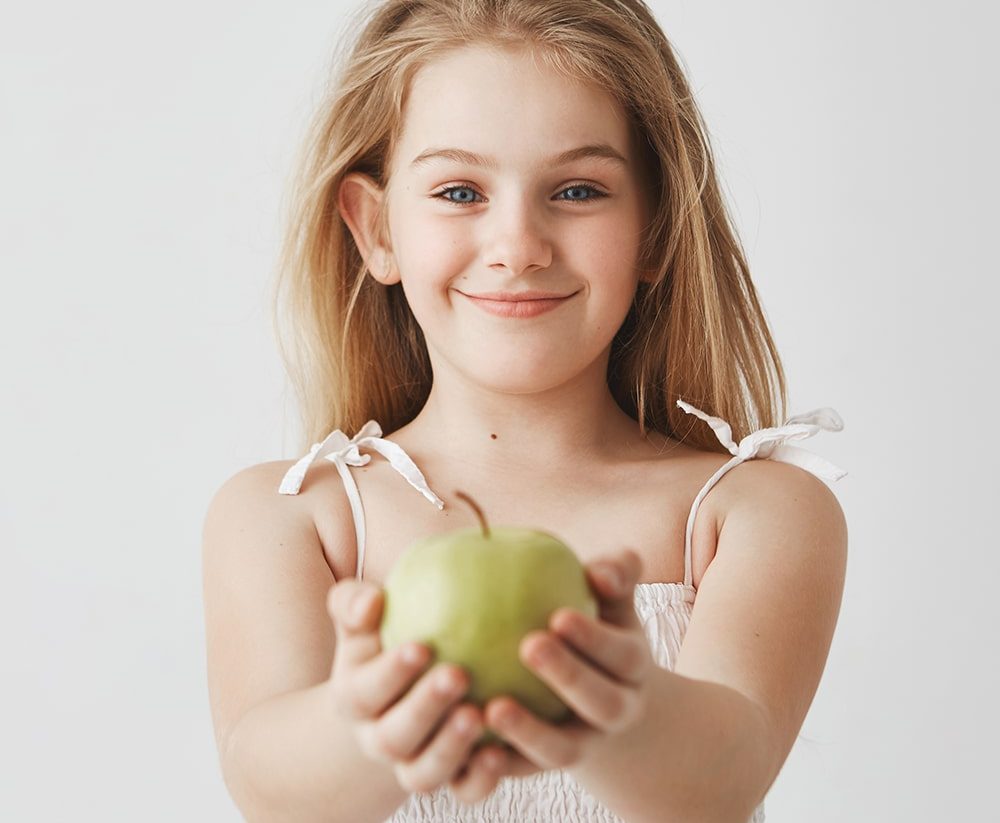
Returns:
(265, 582)
(256, 486)
(321, 507)
(774, 488)
(799, 510)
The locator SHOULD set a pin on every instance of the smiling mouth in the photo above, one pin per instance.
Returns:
(518, 296)
(518, 308)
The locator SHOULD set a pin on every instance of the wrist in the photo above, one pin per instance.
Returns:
(601, 749)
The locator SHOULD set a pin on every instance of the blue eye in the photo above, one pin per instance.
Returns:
(443, 195)
(594, 194)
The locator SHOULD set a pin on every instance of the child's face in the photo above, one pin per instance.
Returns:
(526, 224)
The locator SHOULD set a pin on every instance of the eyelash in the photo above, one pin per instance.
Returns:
(596, 194)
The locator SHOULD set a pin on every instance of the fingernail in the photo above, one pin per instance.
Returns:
(464, 723)
(543, 653)
(412, 654)
(360, 606)
(494, 760)
(447, 684)
(506, 719)
(614, 579)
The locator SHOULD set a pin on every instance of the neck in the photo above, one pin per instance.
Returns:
(573, 423)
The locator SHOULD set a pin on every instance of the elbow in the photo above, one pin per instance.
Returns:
(737, 778)
(256, 799)
(241, 778)
(239, 783)
(745, 776)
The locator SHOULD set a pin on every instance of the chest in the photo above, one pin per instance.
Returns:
(644, 507)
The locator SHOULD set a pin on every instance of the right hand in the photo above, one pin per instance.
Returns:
(399, 715)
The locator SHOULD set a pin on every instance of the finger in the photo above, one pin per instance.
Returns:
(614, 580)
(518, 765)
(443, 757)
(356, 610)
(405, 727)
(381, 681)
(622, 653)
(540, 742)
(480, 776)
(592, 694)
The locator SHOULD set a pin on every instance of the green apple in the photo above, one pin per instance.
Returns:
(472, 595)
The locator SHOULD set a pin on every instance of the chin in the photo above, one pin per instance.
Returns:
(515, 366)
(510, 379)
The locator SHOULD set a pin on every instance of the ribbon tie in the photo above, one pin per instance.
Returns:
(343, 452)
(770, 442)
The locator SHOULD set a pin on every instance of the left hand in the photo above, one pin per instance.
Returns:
(599, 667)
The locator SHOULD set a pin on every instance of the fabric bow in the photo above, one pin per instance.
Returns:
(770, 442)
(343, 451)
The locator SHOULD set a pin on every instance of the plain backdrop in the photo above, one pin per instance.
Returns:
(144, 156)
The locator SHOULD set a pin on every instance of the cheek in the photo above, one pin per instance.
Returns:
(430, 248)
(607, 255)
(607, 252)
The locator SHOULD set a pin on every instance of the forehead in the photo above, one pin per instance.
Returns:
(507, 105)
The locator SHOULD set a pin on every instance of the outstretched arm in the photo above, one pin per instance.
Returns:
(705, 741)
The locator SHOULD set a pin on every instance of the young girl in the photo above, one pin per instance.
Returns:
(509, 254)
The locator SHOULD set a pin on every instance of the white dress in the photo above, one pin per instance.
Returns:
(663, 608)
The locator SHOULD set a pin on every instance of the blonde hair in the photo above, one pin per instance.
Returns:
(696, 331)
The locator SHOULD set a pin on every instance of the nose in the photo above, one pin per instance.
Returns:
(516, 238)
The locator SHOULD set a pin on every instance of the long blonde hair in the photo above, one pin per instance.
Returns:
(696, 331)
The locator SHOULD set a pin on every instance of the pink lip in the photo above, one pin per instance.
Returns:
(529, 294)
(526, 306)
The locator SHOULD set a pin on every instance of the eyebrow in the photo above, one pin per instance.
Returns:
(598, 151)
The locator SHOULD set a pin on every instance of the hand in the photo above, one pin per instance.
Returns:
(398, 715)
(599, 667)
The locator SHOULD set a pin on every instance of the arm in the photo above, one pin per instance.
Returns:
(291, 759)
(709, 768)
(270, 644)
(725, 719)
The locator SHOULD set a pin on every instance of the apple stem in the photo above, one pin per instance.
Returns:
(477, 510)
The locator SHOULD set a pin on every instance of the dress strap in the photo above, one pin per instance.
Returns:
(767, 443)
(344, 452)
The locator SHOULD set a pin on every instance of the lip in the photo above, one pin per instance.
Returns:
(517, 296)
(518, 304)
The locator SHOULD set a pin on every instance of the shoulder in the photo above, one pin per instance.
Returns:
(249, 498)
(771, 488)
(246, 510)
(254, 489)
(774, 514)
(259, 481)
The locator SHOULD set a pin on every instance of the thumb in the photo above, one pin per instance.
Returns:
(613, 580)
(356, 610)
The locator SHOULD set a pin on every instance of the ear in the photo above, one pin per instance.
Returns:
(359, 200)
(647, 276)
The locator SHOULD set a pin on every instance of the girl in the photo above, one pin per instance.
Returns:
(509, 252)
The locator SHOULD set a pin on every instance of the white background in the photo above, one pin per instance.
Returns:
(144, 154)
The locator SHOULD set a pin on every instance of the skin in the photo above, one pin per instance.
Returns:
(523, 225)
